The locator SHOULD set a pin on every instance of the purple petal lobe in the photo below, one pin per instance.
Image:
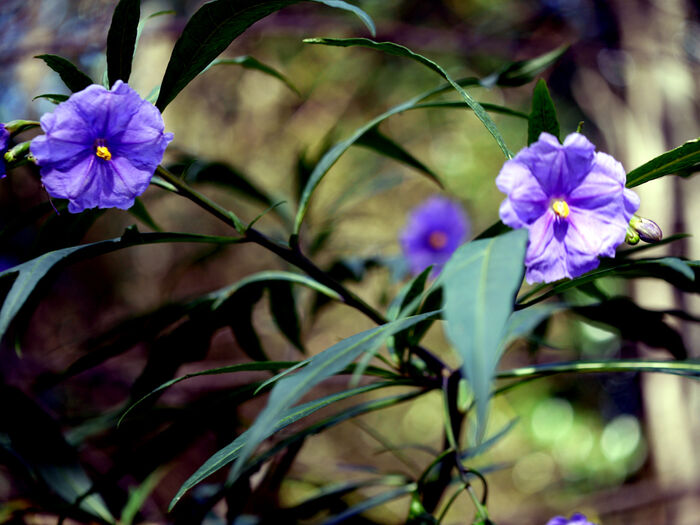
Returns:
(4, 142)
(129, 133)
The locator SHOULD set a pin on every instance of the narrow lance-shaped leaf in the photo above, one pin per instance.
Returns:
(72, 77)
(377, 141)
(402, 51)
(682, 158)
(29, 274)
(211, 30)
(291, 388)
(250, 62)
(543, 116)
(233, 450)
(523, 71)
(479, 285)
(121, 40)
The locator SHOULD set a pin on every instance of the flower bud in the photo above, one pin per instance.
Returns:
(632, 237)
(647, 229)
(17, 153)
(18, 126)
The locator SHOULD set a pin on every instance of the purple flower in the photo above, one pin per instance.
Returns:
(576, 519)
(434, 231)
(572, 200)
(101, 147)
(4, 141)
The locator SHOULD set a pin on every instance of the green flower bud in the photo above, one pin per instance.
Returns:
(632, 236)
(18, 126)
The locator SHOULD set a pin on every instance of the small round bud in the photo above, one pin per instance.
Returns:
(647, 229)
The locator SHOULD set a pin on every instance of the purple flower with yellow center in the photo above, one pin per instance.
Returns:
(435, 229)
(100, 147)
(572, 200)
(576, 519)
(4, 142)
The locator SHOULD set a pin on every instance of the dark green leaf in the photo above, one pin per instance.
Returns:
(490, 442)
(139, 211)
(330, 495)
(377, 141)
(27, 276)
(459, 104)
(401, 51)
(372, 502)
(250, 62)
(233, 450)
(72, 77)
(284, 312)
(523, 71)
(54, 98)
(683, 158)
(494, 230)
(479, 285)
(211, 30)
(139, 495)
(524, 321)
(291, 388)
(121, 40)
(340, 4)
(543, 116)
(240, 311)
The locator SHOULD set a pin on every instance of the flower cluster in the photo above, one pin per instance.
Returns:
(4, 141)
(576, 519)
(572, 200)
(435, 229)
(100, 147)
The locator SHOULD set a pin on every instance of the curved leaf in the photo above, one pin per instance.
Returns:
(29, 274)
(524, 71)
(250, 62)
(682, 158)
(121, 40)
(688, 368)
(479, 285)
(401, 51)
(233, 450)
(212, 29)
(291, 388)
(72, 77)
(340, 4)
(372, 502)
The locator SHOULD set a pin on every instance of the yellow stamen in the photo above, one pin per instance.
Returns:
(103, 153)
(561, 208)
(437, 240)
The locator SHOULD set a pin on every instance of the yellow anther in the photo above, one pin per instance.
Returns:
(103, 153)
(561, 208)
(437, 240)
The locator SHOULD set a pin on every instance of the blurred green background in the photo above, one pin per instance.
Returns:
(621, 448)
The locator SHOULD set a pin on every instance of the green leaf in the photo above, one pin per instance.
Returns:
(241, 307)
(401, 51)
(139, 495)
(233, 450)
(291, 388)
(479, 285)
(682, 158)
(340, 4)
(139, 211)
(679, 272)
(372, 502)
(121, 40)
(524, 321)
(284, 312)
(543, 116)
(688, 368)
(377, 141)
(523, 71)
(54, 98)
(211, 30)
(142, 23)
(29, 274)
(250, 62)
(72, 77)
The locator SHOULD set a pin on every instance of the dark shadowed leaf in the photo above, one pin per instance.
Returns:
(210, 31)
(121, 40)
(479, 285)
(683, 158)
(139, 211)
(72, 77)
(543, 116)
(284, 312)
(240, 310)
(372, 502)
(377, 141)
(523, 71)
(26, 276)
(54, 98)
(250, 62)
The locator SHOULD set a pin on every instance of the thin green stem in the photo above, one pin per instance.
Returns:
(449, 503)
(689, 368)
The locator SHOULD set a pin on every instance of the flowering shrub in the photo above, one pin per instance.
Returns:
(92, 425)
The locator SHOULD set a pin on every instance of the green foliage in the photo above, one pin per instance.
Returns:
(543, 116)
(524, 71)
(683, 159)
(249, 62)
(72, 77)
(479, 285)
(121, 40)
